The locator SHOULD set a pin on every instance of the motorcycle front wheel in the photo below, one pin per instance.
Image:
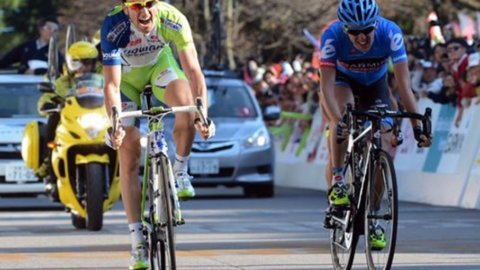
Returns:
(95, 174)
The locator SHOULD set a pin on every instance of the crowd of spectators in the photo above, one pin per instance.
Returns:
(446, 73)
(293, 86)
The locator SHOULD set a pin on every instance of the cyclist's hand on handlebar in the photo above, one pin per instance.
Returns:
(114, 141)
(206, 130)
(423, 141)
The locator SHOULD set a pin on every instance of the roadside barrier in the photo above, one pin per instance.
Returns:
(447, 173)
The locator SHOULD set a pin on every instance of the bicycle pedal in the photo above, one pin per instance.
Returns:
(338, 210)
(327, 222)
(181, 221)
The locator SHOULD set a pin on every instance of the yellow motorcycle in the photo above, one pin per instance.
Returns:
(85, 167)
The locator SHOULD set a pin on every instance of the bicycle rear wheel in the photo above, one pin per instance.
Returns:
(344, 237)
(381, 211)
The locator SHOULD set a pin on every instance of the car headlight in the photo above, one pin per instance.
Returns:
(92, 123)
(259, 138)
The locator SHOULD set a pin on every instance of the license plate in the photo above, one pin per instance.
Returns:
(204, 166)
(18, 172)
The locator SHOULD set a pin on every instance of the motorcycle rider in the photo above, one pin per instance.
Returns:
(81, 58)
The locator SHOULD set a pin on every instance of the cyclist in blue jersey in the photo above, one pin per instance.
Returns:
(355, 52)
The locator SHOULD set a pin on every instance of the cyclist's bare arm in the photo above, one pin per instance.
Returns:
(402, 75)
(113, 74)
(328, 88)
(191, 67)
(408, 99)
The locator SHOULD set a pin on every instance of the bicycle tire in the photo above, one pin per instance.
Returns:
(343, 241)
(382, 212)
(167, 246)
(155, 253)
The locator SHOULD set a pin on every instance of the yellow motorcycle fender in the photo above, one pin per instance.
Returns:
(80, 159)
(33, 141)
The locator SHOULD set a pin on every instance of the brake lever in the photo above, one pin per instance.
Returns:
(199, 104)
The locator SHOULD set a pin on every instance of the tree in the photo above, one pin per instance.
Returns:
(22, 16)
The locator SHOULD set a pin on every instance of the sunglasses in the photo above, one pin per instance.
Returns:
(76, 64)
(453, 49)
(356, 32)
(137, 6)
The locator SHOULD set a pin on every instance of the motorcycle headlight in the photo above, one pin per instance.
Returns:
(259, 138)
(92, 123)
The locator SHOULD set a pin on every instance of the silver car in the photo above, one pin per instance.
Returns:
(241, 153)
(18, 106)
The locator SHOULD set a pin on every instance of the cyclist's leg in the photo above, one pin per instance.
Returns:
(129, 157)
(171, 86)
(328, 167)
(337, 195)
(377, 94)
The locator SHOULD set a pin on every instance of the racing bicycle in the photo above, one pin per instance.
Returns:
(373, 191)
(159, 194)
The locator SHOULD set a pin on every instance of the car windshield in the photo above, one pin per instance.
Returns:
(230, 101)
(19, 100)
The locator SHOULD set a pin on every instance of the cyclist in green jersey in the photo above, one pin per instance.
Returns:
(135, 41)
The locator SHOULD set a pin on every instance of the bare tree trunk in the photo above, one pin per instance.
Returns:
(230, 34)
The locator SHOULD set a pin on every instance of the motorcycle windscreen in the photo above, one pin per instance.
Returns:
(88, 91)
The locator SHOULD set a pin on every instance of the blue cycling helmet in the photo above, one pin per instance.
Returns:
(358, 13)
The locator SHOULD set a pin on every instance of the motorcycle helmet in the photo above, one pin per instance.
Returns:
(81, 53)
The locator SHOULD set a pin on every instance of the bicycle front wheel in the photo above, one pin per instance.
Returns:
(344, 236)
(167, 246)
(381, 212)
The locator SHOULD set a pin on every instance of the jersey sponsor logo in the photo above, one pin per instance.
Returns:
(396, 41)
(171, 24)
(140, 51)
(110, 56)
(327, 64)
(135, 42)
(399, 58)
(364, 65)
(165, 77)
(116, 31)
(328, 50)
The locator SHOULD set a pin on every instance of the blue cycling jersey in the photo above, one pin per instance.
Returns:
(337, 51)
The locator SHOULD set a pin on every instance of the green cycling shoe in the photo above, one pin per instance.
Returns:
(377, 237)
(338, 195)
(139, 258)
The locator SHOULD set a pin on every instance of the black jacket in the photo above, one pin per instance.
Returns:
(25, 52)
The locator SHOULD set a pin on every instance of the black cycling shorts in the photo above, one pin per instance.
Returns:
(366, 96)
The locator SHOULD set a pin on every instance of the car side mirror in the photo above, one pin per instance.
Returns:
(271, 113)
(46, 87)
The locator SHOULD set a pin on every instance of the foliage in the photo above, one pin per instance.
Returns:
(264, 29)
(23, 16)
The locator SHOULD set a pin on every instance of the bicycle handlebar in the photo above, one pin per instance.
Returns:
(158, 111)
(379, 114)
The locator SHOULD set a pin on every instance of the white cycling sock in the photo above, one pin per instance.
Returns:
(338, 175)
(136, 234)
(181, 164)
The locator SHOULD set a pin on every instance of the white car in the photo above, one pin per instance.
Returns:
(18, 106)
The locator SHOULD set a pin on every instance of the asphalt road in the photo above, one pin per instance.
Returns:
(225, 231)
